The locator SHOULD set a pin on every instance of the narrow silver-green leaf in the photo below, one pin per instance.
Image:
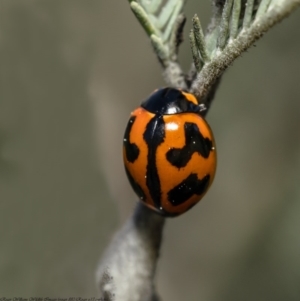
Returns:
(151, 6)
(248, 13)
(143, 18)
(177, 36)
(195, 52)
(165, 14)
(170, 26)
(200, 40)
(160, 50)
(235, 18)
(224, 25)
(263, 6)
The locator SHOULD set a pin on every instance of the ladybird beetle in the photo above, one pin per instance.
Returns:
(169, 152)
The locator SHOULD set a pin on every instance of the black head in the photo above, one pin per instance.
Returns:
(169, 101)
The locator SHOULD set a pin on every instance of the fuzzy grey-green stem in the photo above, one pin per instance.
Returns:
(128, 266)
(235, 18)
(248, 13)
(224, 25)
(214, 69)
(174, 76)
(199, 38)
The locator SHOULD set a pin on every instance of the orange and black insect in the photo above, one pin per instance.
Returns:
(169, 151)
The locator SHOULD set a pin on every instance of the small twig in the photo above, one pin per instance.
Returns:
(165, 28)
(130, 260)
(174, 76)
(214, 69)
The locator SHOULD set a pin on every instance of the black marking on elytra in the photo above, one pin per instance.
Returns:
(169, 101)
(136, 187)
(131, 149)
(187, 188)
(154, 135)
(194, 142)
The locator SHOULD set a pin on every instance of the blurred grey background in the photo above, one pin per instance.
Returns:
(70, 73)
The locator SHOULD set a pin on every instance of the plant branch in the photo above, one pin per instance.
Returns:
(164, 26)
(234, 48)
(127, 269)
